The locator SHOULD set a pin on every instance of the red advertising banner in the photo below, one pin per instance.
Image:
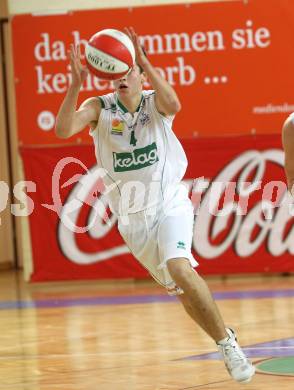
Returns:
(248, 228)
(228, 61)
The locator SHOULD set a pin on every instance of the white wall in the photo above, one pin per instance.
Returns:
(43, 6)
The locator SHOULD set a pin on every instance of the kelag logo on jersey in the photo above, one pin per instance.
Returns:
(139, 158)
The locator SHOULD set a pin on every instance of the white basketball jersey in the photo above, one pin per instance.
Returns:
(142, 156)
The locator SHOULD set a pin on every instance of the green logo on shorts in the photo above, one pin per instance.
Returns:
(181, 245)
(139, 158)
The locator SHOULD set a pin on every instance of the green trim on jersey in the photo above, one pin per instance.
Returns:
(133, 140)
(124, 109)
(102, 102)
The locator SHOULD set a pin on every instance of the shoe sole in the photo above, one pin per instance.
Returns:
(249, 379)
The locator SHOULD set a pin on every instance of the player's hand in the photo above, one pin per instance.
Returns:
(141, 59)
(78, 70)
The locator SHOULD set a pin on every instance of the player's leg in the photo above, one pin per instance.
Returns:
(197, 298)
(200, 305)
(176, 260)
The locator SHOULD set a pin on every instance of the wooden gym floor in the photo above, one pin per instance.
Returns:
(132, 336)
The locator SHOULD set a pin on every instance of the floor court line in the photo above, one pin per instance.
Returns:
(138, 299)
(138, 353)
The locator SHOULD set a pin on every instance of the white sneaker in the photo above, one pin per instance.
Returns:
(238, 366)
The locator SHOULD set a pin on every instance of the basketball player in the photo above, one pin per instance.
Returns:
(134, 142)
(288, 143)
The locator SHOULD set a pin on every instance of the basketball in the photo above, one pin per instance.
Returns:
(110, 54)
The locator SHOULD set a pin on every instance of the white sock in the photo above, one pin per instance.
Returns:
(224, 341)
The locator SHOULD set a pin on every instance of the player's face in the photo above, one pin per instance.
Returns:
(130, 84)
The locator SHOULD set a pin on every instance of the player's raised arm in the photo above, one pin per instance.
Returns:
(166, 99)
(288, 143)
(69, 120)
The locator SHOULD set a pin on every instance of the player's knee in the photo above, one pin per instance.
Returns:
(180, 271)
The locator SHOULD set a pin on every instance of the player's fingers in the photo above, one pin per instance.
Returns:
(84, 72)
(132, 33)
(136, 40)
(132, 30)
(73, 60)
(76, 62)
(73, 49)
(79, 51)
(76, 56)
(68, 54)
(127, 31)
(75, 69)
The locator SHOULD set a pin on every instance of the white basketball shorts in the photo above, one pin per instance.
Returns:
(156, 235)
